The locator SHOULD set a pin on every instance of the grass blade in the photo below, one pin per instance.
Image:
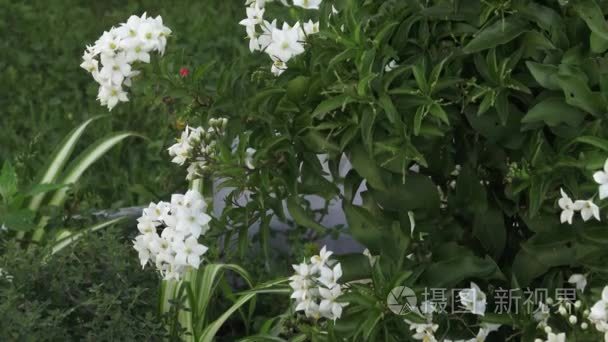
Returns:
(71, 237)
(77, 168)
(59, 159)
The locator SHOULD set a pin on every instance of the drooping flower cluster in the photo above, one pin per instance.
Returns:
(280, 43)
(118, 50)
(315, 287)
(180, 223)
(197, 147)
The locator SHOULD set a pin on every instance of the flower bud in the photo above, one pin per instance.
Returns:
(584, 325)
(548, 329)
(572, 319)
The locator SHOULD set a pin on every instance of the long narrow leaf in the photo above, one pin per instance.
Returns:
(77, 168)
(204, 285)
(58, 160)
(72, 237)
(213, 328)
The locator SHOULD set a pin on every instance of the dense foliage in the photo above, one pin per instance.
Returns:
(462, 142)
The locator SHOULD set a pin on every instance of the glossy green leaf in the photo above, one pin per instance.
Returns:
(498, 33)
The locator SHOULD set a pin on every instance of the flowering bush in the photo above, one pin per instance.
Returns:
(461, 146)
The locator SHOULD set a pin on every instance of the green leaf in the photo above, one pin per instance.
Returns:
(59, 159)
(69, 237)
(416, 192)
(297, 88)
(355, 266)
(364, 228)
(331, 104)
(593, 141)
(598, 44)
(449, 273)
(77, 168)
(554, 111)
(489, 228)
(544, 74)
(301, 217)
(578, 94)
(319, 143)
(389, 108)
(8, 181)
(592, 14)
(437, 111)
(366, 167)
(211, 330)
(498, 33)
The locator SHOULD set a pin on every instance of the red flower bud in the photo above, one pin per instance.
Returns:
(184, 72)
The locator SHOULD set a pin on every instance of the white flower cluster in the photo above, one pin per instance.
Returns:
(599, 314)
(587, 208)
(181, 223)
(197, 147)
(472, 299)
(117, 50)
(283, 43)
(315, 287)
(574, 313)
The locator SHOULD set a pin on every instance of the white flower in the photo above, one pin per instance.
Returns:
(542, 314)
(580, 280)
(484, 330)
(315, 287)
(601, 178)
(89, 63)
(108, 43)
(329, 307)
(392, 65)
(111, 95)
(424, 331)
(308, 4)
(265, 38)
(473, 299)
(285, 43)
(249, 158)
(319, 261)
(599, 310)
(115, 68)
(255, 16)
(189, 252)
(310, 27)
(567, 206)
(552, 337)
(370, 257)
(278, 67)
(329, 277)
(588, 209)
